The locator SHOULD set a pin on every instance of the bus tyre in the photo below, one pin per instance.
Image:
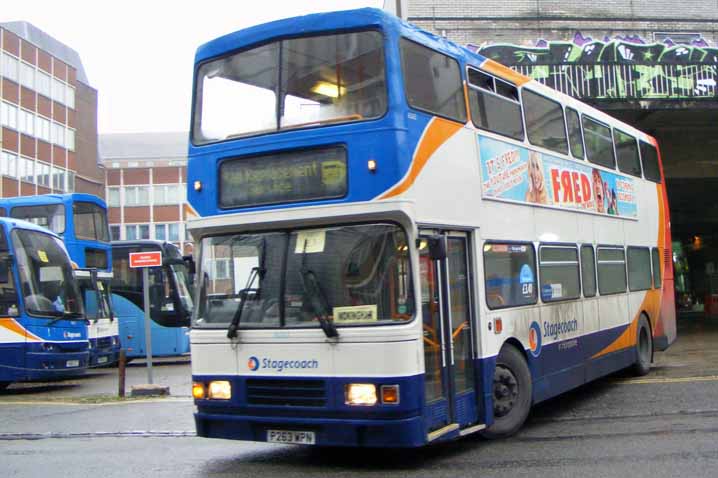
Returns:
(644, 348)
(511, 393)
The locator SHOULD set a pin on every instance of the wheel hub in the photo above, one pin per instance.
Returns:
(506, 391)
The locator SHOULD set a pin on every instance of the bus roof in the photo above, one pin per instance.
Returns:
(363, 18)
(44, 199)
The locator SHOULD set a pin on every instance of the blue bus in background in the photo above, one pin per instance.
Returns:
(43, 332)
(81, 221)
(170, 299)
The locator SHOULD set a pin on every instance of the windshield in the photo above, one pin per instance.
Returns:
(352, 275)
(95, 293)
(293, 83)
(46, 277)
(50, 216)
(90, 222)
(8, 293)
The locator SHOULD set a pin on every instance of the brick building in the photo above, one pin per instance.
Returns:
(145, 177)
(48, 115)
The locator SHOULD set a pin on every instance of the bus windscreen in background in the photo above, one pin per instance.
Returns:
(283, 177)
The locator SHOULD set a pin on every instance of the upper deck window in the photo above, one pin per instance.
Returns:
(300, 82)
(90, 222)
(50, 216)
(649, 156)
(495, 105)
(599, 144)
(544, 122)
(627, 153)
(432, 81)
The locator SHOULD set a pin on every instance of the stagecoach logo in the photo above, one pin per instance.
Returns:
(535, 339)
(267, 363)
(253, 363)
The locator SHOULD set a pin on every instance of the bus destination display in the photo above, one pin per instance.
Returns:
(283, 177)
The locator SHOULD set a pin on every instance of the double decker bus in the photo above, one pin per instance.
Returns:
(402, 242)
(43, 335)
(81, 221)
(170, 300)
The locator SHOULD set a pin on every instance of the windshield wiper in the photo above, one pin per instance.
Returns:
(67, 316)
(317, 299)
(243, 295)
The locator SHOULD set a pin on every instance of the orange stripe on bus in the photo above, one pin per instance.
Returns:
(505, 72)
(651, 303)
(13, 326)
(437, 133)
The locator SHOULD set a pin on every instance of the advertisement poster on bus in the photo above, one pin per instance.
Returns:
(515, 173)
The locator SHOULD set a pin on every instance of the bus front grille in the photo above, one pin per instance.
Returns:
(281, 392)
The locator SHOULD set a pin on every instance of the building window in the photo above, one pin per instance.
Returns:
(70, 139)
(58, 134)
(27, 76)
(70, 181)
(134, 232)
(8, 165)
(70, 97)
(43, 174)
(115, 233)
(27, 123)
(58, 179)
(10, 67)
(168, 194)
(42, 128)
(26, 170)
(58, 91)
(167, 232)
(137, 196)
(8, 115)
(43, 83)
(113, 197)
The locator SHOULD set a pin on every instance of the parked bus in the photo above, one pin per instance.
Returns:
(402, 242)
(81, 221)
(170, 300)
(43, 335)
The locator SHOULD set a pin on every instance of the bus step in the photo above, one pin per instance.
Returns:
(472, 429)
(442, 431)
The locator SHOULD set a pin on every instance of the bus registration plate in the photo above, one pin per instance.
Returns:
(288, 436)
(72, 363)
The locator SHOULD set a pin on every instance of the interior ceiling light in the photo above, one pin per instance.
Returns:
(328, 89)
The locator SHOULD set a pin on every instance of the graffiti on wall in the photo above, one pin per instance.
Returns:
(623, 67)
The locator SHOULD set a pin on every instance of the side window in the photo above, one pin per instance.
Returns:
(495, 105)
(509, 274)
(432, 81)
(544, 122)
(599, 144)
(558, 266)
(627, 153)
(611, 270)
(574, 133)
(649, 156)
(588, 270)
(639, 268)
(656, 259)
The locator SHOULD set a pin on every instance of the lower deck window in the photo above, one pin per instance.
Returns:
(559, 273)
(611, 270)
(510, 274)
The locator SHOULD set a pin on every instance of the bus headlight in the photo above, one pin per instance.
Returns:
(360, 394)
(219, 390)
(198, 390)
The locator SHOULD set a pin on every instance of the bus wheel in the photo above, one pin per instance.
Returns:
(511, 393)
(644, 348)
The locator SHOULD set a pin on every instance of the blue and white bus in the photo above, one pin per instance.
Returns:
(81, 221)
(170, 298)
(43, 334)
(402, 242)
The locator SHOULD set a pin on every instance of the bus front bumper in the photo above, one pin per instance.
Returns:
(394, 433)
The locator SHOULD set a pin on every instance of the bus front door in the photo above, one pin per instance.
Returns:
(448, 323)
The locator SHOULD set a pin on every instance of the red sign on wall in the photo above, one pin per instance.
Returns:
(145, 259)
